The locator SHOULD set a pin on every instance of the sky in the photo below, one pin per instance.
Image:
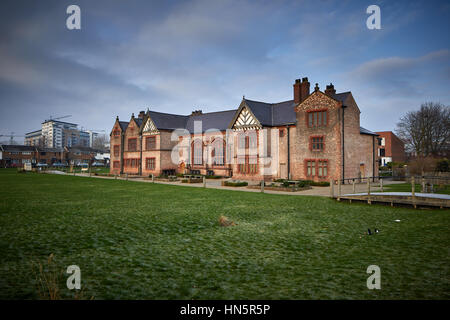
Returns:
(180, 56)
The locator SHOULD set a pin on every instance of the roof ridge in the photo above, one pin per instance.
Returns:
(234, 110)
(170, 114)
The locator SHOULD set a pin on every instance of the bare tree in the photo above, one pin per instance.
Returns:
(100, 142)
(426, 132)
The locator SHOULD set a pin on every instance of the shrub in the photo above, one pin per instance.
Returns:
(214, 177)
(235, 184)
(443, 165)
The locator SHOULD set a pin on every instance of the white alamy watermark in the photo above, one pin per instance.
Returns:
(74, 281)
(374, 20)
(374, 280)
(74, 20)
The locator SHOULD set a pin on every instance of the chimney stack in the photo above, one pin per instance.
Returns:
(330, 91)
(301, 90)
(141, 115)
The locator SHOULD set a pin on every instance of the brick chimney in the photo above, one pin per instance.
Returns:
(141, 115)
(301, 90)
(196, 113)
(330, 91)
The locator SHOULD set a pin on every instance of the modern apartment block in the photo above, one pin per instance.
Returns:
(58, 134)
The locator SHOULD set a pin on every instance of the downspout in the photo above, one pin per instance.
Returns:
(373, 158)
(288, 154)
(343, 144)
(140, 148)
(122, 146)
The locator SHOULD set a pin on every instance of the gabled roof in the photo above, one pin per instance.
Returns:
(123, 125)
(273, 114)
(342, 96)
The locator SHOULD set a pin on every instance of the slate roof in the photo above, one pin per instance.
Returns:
(268, 114)
(273, 114)
(167, 120)
(212, 120)
(365, 131)
(123, 125)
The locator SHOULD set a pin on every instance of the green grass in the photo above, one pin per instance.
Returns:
(135, 240)
(406, 187)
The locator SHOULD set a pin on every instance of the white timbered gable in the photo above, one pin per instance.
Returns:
(246, 121)
(150, 126)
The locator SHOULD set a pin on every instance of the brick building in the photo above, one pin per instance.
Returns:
(315, 136)
(390, 148)
(18, 155)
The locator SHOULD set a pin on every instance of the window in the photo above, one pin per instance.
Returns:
(132, 144)
(150, 163)
(116, 132)
(116, 164)
(116, 151)
(317, 167)
(241, 141)
(316, 143)
(317, 119)
(252, 140)
(382, 152)
(150, 143)
(217, 152)
(248, 165)
(198, 156)
(322, 166)
(310, 168)
(131, 163)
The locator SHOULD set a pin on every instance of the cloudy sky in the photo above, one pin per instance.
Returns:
(177, 56)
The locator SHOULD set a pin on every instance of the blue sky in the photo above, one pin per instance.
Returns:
(178, 56)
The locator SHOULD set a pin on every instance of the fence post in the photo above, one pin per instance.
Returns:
(332, 188)
(354, 186)
(368, 191)
(204, 182)
(413, 191)
(115, 176)
(126, 176)
(262, 186)
(381, 184)
(423, 184)
(339, 190)
(153, 178)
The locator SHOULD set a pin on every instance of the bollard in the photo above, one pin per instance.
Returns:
(354, 186)
(126, 176)
(332, 188)
(204, 182)
(339, 190)
(115, 176)
(262, 186)
(153, 178)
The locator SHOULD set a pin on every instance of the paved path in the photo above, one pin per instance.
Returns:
(216, 184)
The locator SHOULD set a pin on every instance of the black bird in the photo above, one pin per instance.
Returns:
(369, 232)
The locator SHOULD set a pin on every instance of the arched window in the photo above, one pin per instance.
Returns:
(218, 148)
(198, 152)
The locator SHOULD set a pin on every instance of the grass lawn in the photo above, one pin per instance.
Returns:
(406, 187)
(136, 240)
